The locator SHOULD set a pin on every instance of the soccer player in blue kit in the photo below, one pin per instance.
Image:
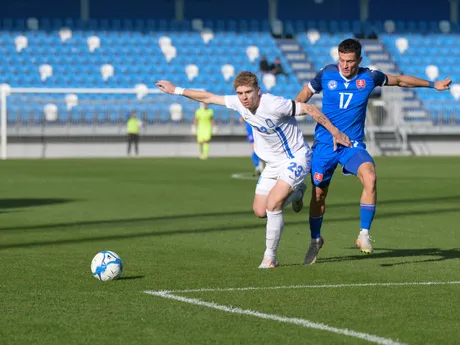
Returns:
(346, 90)
(258, 163)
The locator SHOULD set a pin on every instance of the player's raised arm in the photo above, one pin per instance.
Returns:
(409, 81)
(200, 96)
(318, 116)
(304, 95)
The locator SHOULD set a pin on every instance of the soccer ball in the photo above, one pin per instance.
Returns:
(106, 265)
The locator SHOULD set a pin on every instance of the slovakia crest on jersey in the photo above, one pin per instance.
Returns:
(318, 177)
(332, 85)
(360, 84)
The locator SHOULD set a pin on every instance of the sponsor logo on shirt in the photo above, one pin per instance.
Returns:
(360, 84)
(318, 177)
(332, 84)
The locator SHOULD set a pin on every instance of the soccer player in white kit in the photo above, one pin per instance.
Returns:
(278, 141)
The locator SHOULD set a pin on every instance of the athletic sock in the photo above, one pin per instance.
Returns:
(315, 226)
(367, 212)
(275, 225)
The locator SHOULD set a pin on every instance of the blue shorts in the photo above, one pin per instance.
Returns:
(325, 160)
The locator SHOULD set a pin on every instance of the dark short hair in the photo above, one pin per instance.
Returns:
(350, 45)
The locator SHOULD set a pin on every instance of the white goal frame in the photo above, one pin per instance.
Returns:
(5, 91)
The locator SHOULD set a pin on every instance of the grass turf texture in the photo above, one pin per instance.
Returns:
(185, 224)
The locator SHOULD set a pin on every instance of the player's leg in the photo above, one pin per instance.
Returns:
(254, 157)
(273, 228)
(206, 149)
(275, 222)
(362, 165)
(291, 175)
(136, 144)
(199, 140)
(297, 195)
(205, 138)
(324, 162)
(130, 140)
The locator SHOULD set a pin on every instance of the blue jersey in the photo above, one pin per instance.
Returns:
(345, 100)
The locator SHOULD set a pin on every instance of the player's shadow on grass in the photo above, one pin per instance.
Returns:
(433, 254)
(133, 221)
(8, 204)
(256, 224)
(130, 277)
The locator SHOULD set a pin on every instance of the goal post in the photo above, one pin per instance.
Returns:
(77, 115)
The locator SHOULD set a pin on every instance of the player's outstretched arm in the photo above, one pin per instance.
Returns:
(304, 95)
(409, 81)
(200, 96)
(318, 116)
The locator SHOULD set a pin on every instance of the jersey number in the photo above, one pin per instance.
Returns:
(296, 169)
(345, 97)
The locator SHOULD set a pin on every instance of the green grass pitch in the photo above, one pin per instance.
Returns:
(185, 224)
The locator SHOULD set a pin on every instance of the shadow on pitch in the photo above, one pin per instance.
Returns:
(257, 224)
(133, 221)
(130, 277)
(6, 204)
(433, 254)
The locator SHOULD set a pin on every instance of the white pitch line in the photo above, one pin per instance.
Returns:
(299, 322)
(330, 286)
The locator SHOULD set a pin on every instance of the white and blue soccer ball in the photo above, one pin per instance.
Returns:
(106, 265)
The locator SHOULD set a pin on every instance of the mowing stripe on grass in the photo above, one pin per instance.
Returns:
(299, 322)
(309, 287)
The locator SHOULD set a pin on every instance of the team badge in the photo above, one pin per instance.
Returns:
(332, 85)
(360, 84)
(318, 177)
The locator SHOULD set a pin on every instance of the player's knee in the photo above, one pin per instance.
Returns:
(274, 205)
(260, 212)
(318, 195)
(369, 179)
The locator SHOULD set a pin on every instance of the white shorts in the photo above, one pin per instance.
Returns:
(293, 171)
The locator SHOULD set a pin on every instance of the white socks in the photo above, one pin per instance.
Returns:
(275, 225)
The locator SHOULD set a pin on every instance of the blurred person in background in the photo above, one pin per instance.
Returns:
(205, 126)
(133, 127)
(258, 163)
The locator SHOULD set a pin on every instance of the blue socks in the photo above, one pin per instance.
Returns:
(366, 215)
(255, 160)
(315, 226)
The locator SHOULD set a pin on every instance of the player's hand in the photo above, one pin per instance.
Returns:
(342, 139)
(166, 86)
(442, 85)
(193, 129)
(215, 129)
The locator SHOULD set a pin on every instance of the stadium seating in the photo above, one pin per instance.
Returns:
(207, 55)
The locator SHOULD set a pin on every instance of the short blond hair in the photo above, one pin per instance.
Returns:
(246, 78)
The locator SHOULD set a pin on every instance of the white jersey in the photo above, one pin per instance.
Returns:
(276, 134)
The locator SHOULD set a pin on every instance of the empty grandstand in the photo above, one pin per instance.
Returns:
(73, 76)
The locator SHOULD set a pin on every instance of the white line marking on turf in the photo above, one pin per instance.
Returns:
(244, 176)
(330, 286)
(299, 322)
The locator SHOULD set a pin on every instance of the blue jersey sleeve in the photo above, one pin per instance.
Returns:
(248, 129)
(379, 77)
(316, 84)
